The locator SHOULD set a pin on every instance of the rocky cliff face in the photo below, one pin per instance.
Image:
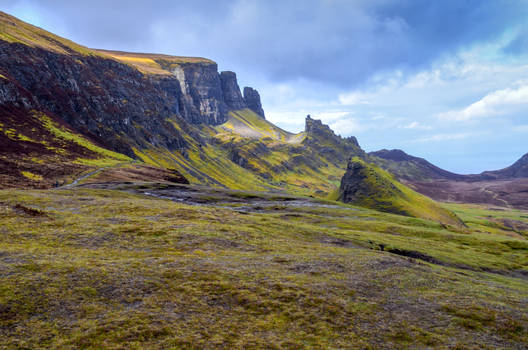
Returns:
(252, 99)
(201, 96)
(107, 96)
(231, 90)
(104, 99)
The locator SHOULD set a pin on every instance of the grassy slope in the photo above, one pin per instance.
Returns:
(41, 151)
(149, 63)
(248, 124)
(105, 269)
(383, 192)
(276, 161)
(14, 30)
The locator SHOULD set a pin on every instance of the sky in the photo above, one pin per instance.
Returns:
(446, 80)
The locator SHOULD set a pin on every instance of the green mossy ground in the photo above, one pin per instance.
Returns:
(107, 269)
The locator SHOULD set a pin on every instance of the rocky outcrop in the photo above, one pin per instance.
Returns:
(315, 126)
(360, 183)
(231, 90)
(320, 137)
(367, 185)
(252, 100)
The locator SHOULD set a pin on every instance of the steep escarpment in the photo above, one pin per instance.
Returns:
(108, 101)
(124, 102)
(122, 99)
(173, 112)
(367, 185)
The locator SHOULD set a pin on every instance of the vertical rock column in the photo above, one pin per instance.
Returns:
(252, 98)
(232, 96)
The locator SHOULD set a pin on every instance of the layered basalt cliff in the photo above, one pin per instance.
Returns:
(122, 100)
(232, 96)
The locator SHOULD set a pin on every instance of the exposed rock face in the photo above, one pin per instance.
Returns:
(231, 90)
(201, 97)
(252, 99)
(315, 126)
(103, 99)
(113, 103)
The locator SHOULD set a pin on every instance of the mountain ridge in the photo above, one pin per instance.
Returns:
(427, 170)
(172, 112)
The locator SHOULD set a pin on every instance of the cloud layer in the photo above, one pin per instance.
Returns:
(333, 41)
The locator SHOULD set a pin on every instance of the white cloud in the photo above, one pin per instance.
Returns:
(499, 102)
(346, 126)
(447, 137)
(416, 126)
(353, 98)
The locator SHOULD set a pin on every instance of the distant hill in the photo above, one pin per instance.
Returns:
(407, 167)
(519, 169)
(410, 168)
(506, 187)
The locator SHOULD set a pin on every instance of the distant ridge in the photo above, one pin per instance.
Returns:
(410, 168)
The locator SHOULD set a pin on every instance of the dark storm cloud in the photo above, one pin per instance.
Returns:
(334, 41)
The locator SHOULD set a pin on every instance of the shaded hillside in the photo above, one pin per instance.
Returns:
(248, 152)
(410, 168)
(367, 185)
(38, 151)
(519, 169)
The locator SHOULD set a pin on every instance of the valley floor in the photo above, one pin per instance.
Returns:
(158, 266)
